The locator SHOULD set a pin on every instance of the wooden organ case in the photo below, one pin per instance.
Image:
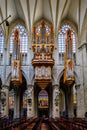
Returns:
(43, 46)
(68, 60)
(16, 60)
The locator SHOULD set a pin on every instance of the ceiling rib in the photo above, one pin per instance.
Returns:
(34, 10)
(51, 10)
(28, 8)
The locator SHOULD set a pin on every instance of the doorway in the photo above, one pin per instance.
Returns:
(43, 103)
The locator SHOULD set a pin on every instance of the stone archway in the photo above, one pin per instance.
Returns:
(18, 93)
(68, 95)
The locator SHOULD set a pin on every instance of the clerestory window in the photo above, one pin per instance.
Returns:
(1, 45)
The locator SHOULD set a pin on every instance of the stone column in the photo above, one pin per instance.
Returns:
(30, 102)
(82, 85)
(5, 101)
(55, 54)
(70, 103)
(80, 101)
(55, 101)
(50, 93)
(17, 104)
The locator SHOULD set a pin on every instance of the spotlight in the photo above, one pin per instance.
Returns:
(7, 23)
(5, 20)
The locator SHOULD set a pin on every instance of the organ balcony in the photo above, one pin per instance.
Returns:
(43, 54)
(43, 47)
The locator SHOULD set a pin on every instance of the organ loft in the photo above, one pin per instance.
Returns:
(43, 65)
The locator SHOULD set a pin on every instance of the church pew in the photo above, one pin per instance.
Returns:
(72, 123)
(27, 123)
(53, 125)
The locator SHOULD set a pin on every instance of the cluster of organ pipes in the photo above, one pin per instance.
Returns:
(43, 34)
(43, 46)
(68, 59)
(16, 60)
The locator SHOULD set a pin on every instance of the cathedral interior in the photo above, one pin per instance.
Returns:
(43, 64)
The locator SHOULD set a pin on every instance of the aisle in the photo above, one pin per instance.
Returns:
(43, 126)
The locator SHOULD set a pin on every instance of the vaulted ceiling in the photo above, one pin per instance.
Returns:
(55, 11)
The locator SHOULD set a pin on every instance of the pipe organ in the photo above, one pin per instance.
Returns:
(16, 60)
(68, 60)
(43, 46)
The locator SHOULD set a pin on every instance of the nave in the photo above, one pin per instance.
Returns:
(40, 123)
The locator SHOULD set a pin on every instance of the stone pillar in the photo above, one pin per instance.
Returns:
(80, 101)
(55, 101)
(70, 103)
(82, 86)
(5, 101)
(55, 54)
(17, 104)
(30, 102)
(50, 94)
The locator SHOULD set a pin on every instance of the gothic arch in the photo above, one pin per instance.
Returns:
(7, 82)
(73, 26)
(77, 82)
(15, 23)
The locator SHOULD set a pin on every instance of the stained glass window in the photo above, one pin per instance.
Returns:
(43, 99)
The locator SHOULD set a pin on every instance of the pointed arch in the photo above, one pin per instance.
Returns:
(62, 40)
(77, 81)
(7, 82)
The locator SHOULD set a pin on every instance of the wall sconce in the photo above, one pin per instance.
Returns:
(29, 102)
(5, 20)
(57, 97)
(77, 86)
(3, 99)
(56, 101)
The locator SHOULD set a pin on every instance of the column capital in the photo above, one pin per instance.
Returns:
(29, 86)
(56, 86)
(4, 86)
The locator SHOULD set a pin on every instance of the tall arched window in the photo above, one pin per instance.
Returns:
(43, 99)
(1, 45)
(61, 42)
(23, 43)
